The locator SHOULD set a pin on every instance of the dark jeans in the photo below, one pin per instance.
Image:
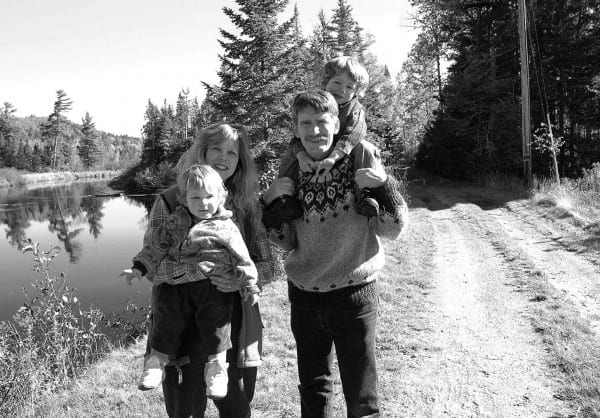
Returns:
(352, 329)
(187, 397)
(197, 302)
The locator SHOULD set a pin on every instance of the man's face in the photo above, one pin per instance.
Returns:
(316, 131)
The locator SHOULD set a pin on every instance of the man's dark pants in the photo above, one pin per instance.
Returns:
(351, 328)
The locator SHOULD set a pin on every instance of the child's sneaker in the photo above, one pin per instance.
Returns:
(154, 370)
(215, 376)
(367, 204)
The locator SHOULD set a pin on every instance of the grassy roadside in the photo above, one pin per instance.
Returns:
(108, 388)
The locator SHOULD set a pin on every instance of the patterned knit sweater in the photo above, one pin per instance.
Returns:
(332, 246)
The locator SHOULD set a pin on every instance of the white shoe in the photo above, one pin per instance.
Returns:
(150, 379)
(154, 370)
(215, 376)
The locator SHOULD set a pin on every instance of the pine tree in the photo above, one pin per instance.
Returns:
(54, 128)
(321, 42)
(159, 135)
(89, 150)
(253, 90)
(7, 141)
(349, 39)
(183, 115)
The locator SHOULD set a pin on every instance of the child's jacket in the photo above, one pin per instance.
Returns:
(250, 337)
(213, 245)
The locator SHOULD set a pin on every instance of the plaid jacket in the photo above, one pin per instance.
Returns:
(173, 271)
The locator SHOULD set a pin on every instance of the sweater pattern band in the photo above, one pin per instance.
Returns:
(323, 195)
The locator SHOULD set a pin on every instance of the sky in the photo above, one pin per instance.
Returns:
(112, 56)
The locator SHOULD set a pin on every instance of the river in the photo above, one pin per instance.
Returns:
(97, 230)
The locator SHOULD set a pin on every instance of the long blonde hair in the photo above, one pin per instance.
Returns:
(242, 185)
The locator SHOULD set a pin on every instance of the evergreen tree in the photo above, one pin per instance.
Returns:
(253, 90)
(89, 151)
(321, 43)
(349, 37)
(159, 135)
(8, 149)
(54, 128)
(416, 99)
(183, 115)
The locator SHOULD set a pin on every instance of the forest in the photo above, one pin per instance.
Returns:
(37, 144)
(453, 109)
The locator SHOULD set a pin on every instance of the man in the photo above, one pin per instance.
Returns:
(334, 257)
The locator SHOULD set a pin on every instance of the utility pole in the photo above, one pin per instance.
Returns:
(525, 102)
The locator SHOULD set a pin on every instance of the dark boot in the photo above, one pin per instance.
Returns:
(367, 204)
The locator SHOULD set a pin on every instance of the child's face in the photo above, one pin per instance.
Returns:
(316, 131)
(203, 202)
(342, 86)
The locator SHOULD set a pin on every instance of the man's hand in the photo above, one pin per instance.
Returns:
(130, 274)
(369, 177)
(279, 187)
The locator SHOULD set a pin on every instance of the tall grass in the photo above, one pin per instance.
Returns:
(580, 196)
(50, 339)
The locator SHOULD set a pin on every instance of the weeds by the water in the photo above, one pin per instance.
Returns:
(12, 176)
(51, 338)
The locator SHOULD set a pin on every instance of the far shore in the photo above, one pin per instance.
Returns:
(60, 177)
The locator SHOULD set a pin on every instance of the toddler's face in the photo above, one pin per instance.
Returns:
(342, 86)
(203, 202)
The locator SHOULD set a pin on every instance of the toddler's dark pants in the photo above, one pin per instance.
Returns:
(198, 302)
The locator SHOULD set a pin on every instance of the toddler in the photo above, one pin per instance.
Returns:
(200, 233)
(346, 79)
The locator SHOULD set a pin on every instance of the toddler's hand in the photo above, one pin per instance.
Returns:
(306, 163)
(251, 298)
(130, 274)
(225, 282)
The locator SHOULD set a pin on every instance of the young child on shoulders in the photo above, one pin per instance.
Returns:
(346, 79)
(200, 233)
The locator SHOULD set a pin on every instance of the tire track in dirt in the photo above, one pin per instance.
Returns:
(566, 270)
(487, 360)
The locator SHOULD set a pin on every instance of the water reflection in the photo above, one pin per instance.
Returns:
(98, 229)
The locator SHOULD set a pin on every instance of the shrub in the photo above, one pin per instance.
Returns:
(12, 176)
(155, 178)
(49, 339)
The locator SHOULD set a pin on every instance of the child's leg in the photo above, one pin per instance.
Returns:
(213, 318)
(366, 155)
(167, 325)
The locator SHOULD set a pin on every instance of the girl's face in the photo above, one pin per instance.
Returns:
(223, 156)
(342, 87)
(203, 201)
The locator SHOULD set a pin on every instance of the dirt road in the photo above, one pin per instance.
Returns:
(471, 344)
